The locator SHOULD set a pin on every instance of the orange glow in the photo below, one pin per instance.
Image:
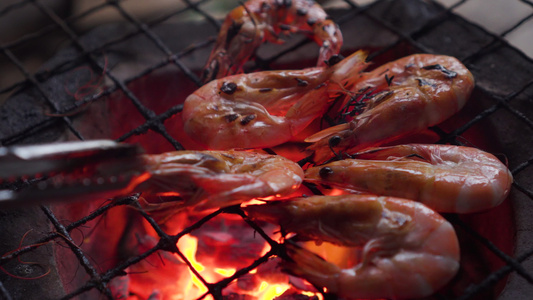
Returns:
(311, 294)
(271, 291)
(255, 201)
(225, 272)
(336, 192)
(343, 257)
(194, 288)
(188, 286)
(168, 194)
(189, 245)
(276, 236)
(138, 180)
(265, 249)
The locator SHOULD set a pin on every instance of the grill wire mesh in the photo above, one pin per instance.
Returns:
(418, 36)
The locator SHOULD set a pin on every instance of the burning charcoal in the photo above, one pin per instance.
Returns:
(271, 271)
(120, 286)
(293, 294)
(228, 242)
(248, 282)
(234, 296)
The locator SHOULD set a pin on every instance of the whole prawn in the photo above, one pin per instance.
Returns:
(256, 21)
(407, 96)
(210, 179)
(263, 109)
(408, 250)
(444, 177)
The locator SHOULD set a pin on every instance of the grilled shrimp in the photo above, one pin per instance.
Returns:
(209, 179)
(263, 109)
(444, 177)
(408, 250)
(408, 95)
(256, 21)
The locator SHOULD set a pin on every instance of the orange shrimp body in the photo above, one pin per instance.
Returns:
(256, 21)
(408, 250)
(210, 179)
(443, 177)
(410, 94)
(263, 109)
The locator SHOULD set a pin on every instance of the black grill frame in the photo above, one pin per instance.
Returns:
(154, 122)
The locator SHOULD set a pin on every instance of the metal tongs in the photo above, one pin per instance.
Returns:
(67, 171)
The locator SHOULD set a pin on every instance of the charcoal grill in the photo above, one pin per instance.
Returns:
(146, 67)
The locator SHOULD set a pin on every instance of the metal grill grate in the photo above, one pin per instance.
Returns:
(503, 77)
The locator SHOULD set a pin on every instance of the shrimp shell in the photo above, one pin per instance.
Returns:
(257, 21)
(444, 177)
(210, 179)
(263, 109)
(410, 95)
(409, 251)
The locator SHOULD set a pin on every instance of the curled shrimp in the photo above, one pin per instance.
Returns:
(408, 250)
(210, 179)
(256, 21)
(444, 177)
(408, 96)
(263, 109)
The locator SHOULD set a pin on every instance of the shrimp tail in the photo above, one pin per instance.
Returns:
(341, 72)
(315, 269)
(304, 112)
(346, 70)
(328, 35)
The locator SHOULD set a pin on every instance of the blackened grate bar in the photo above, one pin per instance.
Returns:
(507, 92)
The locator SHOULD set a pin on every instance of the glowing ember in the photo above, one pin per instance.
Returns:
(225, 272)
(194, 288)
(265, 283)
(271, 291)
